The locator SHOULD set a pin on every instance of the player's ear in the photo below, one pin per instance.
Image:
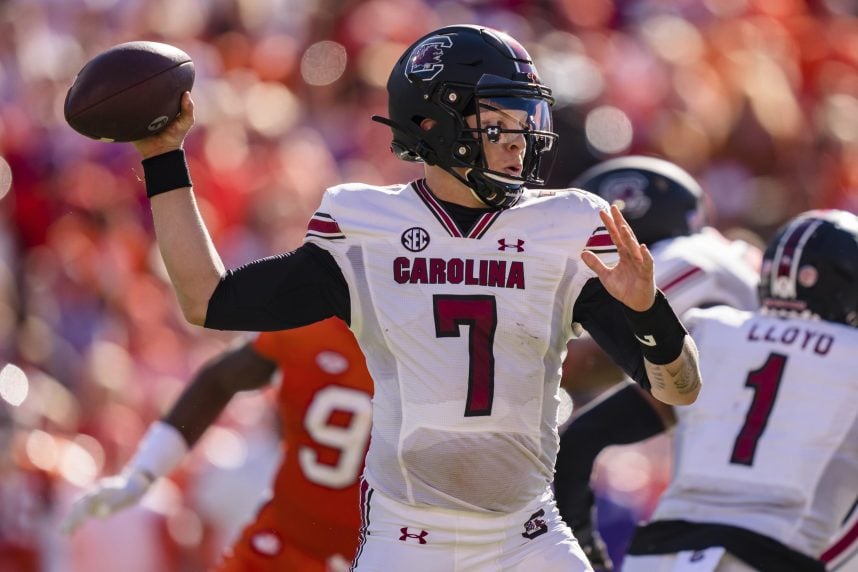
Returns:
(428, 124)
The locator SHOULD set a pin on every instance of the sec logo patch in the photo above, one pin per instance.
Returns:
(415, 239)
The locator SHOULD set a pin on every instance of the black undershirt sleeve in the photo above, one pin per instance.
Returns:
(602, 316)
(280, 292)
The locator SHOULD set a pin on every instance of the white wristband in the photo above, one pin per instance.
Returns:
(160, 451)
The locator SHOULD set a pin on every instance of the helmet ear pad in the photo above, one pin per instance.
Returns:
(436, 131)
(426, 135)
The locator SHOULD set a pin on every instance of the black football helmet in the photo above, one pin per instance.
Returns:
(658, 199)
(810, 267)
(450, 74)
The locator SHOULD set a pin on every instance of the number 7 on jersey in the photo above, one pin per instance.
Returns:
(480, 314)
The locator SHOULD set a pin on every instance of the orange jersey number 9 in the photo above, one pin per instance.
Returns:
(350, 438)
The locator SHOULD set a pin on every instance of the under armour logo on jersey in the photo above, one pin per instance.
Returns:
(535, 525)
(421, 538)
(518, 245)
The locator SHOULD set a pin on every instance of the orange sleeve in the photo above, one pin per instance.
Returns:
(273, 345)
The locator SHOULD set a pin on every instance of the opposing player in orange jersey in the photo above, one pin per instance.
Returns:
(311, 521)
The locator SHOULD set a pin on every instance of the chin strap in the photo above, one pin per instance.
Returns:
(494, 193)
(491, 193)
(488, 191)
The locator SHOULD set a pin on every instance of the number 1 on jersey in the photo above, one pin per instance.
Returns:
(765, 382)
(480, 314)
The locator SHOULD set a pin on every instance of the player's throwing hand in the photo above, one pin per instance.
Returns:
(173, 136)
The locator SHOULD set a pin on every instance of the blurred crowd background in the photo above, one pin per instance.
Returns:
(757, 98)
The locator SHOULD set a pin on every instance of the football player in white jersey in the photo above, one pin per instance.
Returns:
(462, 289)
(695, 267)
(766, 463)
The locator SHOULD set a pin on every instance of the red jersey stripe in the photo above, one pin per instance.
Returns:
(327, 226)
(599, 239)
(674, 282)
(841, 545)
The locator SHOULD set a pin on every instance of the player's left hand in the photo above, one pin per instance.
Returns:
(631, 280)
(109, 495)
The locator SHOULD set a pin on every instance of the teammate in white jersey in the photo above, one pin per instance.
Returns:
(695, 266)
(766, 464)
(462, 289)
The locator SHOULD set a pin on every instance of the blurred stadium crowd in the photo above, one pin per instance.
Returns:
(757, 98)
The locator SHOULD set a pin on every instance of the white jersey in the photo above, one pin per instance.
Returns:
(706, 269)
(771, 444)
(464, 335)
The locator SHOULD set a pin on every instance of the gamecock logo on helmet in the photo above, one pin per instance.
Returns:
(427, 59)
(628, 189)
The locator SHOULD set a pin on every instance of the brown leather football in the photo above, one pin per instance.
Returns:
(129, 91)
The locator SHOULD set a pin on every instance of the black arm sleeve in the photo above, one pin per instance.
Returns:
(602, 316)
(280, 292)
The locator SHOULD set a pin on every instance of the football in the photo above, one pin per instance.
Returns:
(129, 91)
